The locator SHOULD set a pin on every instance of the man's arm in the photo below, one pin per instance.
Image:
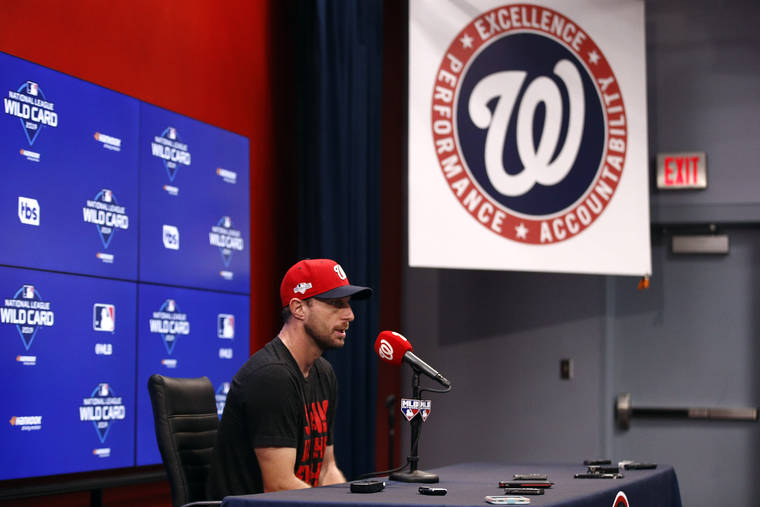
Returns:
(277, 465)
(330, 473)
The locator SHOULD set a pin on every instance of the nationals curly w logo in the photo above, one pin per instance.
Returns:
(529, 124)
(620, 500)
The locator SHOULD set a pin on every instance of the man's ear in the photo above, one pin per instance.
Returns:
(297, 308)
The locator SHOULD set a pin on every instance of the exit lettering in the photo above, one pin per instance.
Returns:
(681, 170)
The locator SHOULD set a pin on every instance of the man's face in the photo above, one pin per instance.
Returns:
(327, 321)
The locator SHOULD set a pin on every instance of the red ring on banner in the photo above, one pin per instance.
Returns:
(530, 229)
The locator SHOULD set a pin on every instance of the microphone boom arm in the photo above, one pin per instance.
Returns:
(420, 366)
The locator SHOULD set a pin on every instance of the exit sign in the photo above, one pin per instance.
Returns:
(681, 170)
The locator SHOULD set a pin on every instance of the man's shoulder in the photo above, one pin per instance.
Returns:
(267, 361)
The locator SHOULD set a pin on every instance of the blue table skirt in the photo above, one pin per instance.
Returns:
(469, 483)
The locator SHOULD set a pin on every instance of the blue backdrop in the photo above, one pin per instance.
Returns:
(126, 232)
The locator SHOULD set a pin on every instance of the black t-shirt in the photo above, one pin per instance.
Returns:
(271, 404)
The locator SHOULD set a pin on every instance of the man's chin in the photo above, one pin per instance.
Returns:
(331, 343)
(337, 343)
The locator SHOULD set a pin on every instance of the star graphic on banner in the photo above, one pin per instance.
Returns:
(521, 231)
(466, 41)
(593, 57)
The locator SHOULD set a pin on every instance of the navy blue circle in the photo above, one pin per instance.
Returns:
(537, 55)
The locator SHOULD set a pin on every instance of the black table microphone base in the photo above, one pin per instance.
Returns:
(414, 476)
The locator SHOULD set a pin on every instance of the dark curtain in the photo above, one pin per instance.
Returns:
(338, 57)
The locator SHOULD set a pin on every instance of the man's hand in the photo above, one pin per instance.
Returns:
(330, 473)
(277, 464)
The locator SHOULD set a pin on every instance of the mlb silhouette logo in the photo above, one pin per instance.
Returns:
(103, 390)
(409, 413)
(103, 317)
(172, 133)
(227, 222)
(107, 195)
(226, 326)
(32, 88)
(28, 292)
(171, 305)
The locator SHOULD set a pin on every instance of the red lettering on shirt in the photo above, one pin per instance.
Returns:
(315, 442)
(318, 416)
(322, 411)
(319, 448)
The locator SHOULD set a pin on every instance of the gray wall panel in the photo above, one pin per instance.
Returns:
(694, 345)
(690, 340)
(703, 80)
(508, 402)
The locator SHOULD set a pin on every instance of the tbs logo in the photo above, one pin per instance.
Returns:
(171, 237)
(28, 211)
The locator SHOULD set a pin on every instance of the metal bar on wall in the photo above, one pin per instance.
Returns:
(624, 412)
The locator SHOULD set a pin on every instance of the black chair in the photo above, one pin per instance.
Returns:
(184, 411)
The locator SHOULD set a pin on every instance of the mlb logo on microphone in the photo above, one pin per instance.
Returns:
(28, 292)
(410, 408)
(225, 326)
(32, 88)
(425, 409)
(103, 317)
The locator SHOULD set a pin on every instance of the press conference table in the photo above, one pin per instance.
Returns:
(469, 483)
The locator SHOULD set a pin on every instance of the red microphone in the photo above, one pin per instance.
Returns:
(393, 348)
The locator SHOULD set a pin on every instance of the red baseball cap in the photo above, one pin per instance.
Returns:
(318, 277)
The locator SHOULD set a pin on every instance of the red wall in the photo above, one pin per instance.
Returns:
(203, 59)
(217, 62)
(207, 60)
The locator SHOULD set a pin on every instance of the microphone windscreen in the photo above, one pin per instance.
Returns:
(392, 346)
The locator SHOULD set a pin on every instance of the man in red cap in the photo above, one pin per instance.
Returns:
(276, 432)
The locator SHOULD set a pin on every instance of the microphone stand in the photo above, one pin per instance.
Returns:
(414, 475)
(390, 404)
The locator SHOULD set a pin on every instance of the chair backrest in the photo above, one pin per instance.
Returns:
(184, 411)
